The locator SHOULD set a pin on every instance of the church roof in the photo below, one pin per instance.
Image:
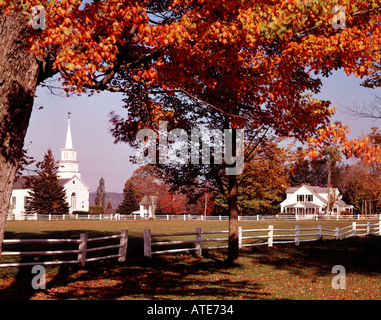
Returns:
(26, 182)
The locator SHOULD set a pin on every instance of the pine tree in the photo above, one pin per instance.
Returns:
(101, 193)
(47, 196)
(130, 201)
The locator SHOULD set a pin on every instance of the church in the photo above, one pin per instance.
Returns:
(77, 192)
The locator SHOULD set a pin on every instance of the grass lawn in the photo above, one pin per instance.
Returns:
(280, 272)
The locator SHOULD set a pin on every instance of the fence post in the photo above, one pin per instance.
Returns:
(336, 233)
(318, 232)
(82, 249)
(123, 246)
(368, 227)
(88, 216)
(240, 237)
(297, 235)
(100, 216)
(76, 216)
(147, 243)
(198, 242)
(63, 217)
(50, 217)
(354, 229)
(271, 235)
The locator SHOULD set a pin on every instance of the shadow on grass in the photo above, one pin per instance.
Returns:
(184, 276)
(181, 276)
(360, 255)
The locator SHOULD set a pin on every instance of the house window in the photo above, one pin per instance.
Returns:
(73, 200)
(13, 203)
(309, 197)
(300, 197)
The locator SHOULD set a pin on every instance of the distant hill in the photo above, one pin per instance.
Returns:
(114, 197)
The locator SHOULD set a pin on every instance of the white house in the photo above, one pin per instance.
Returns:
(77, 192)
(312, 200)
(147, 207)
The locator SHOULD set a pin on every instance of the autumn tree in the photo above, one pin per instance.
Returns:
(247, 60)
(252, 65)
(171, 202)
(145, 181)
(361, 183)
(47, 196)
(316, 171)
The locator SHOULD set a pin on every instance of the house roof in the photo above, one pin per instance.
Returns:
(316, 191)
(149, 200)
(302, 205)
(313, 189)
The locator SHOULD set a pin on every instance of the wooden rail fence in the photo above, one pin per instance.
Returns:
(186, 217)
(81, 252)
(254, 237)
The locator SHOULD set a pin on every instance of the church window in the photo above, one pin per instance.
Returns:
(13, 203)
(73, 200)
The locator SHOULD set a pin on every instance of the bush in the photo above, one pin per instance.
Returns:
(80, 212)
(96, 210)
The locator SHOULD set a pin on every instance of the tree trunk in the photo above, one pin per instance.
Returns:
(233, 248)
(19, 76)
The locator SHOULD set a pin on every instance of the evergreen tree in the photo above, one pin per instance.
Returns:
(47, 196)
(130, 201)
(101, 194)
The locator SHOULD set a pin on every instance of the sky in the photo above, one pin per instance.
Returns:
(100, 157)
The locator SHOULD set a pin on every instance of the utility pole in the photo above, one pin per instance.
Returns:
(206, 203)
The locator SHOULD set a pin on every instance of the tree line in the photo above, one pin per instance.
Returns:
(262, 185)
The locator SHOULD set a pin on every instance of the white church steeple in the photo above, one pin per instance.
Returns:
(68, 166)
(69, 142)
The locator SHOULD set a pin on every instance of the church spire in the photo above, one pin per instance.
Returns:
(69, 142)
(68, 166)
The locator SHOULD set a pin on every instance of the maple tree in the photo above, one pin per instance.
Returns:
(361, 183)
(247, 59)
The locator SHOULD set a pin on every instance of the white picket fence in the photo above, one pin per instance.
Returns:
(186, 217)
(81, 252)
(254, 237)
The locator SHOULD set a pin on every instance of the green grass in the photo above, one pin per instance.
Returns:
(280, 272)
